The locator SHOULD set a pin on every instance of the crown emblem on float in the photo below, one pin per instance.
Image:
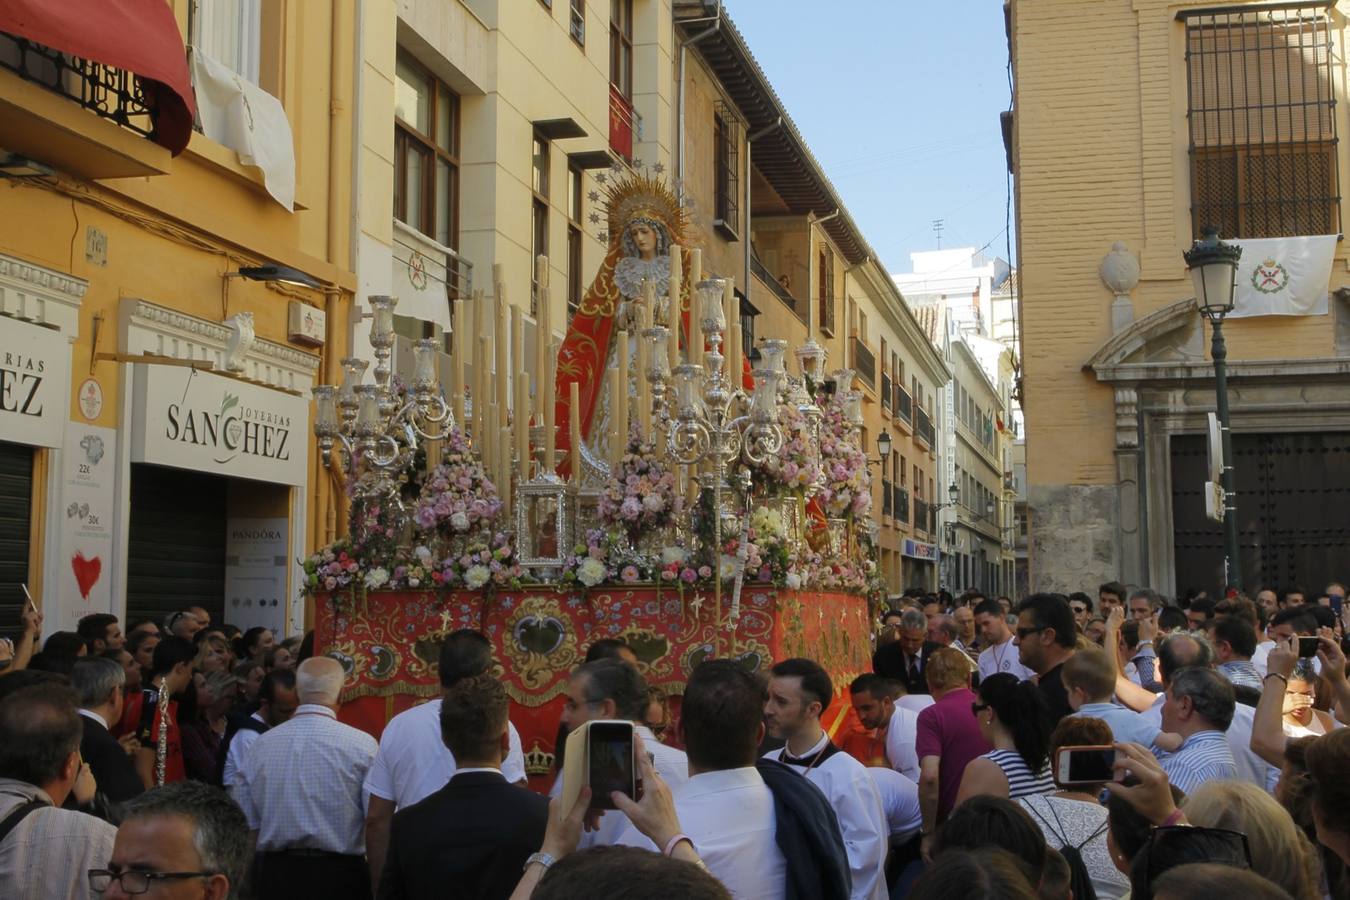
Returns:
(538, 761)
(639, 193)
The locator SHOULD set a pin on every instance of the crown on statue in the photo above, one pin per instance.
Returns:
(632, 194)
(538, 761)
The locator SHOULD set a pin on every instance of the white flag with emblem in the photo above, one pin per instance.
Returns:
(1283, 276)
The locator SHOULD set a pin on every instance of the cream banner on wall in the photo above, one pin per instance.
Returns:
(1283, 276)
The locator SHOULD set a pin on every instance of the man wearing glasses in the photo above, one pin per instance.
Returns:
(44, 850)
(185, 839)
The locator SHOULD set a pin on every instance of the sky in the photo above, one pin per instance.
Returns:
(899, 100)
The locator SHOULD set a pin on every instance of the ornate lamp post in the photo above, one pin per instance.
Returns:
(1213, 267)
(705, 427)
(378, 430)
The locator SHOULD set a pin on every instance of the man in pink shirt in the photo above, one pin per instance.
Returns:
(948, 737)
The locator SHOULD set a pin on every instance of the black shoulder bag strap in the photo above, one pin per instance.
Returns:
(19, 814)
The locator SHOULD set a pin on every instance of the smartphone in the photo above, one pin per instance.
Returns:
(31, 605)
(610, 764)
(1307, 647)
(1084, 765)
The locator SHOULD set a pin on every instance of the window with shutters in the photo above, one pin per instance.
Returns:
(621, 47)
(426, 153)
(825, 290)
(726, 176)
(16, 504)
(1262, 121)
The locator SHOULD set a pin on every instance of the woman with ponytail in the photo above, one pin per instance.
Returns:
(1012, 716)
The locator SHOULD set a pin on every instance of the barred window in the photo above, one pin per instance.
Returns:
(1262, 121)
(726, 176)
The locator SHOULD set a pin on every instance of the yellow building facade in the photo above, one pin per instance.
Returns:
(1136, 123)
(171, 462)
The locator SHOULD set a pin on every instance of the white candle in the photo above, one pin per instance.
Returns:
(457, 345)
(500, 365)
(673, 313)
(550, 411)
(522, 426)
(543, 334)
(621, 420)
(731, 313)
(693, 349)
(643, 407)
(574, 430)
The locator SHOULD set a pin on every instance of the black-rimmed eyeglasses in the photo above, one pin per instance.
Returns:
(136, 882)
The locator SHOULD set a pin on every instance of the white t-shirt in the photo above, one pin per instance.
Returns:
(1003, 657)
(413, 762)
(235, 756)
(729, 816)
(900, 801)
(900, 737)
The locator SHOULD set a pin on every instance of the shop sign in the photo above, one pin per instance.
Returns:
(34, 383)
(255, 572)
(210, 423)
(918, 549)
(88, 476)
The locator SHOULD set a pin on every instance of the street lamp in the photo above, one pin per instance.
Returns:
(1213, 267)
(883, 449)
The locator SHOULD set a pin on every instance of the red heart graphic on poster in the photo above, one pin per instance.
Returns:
(86, 572)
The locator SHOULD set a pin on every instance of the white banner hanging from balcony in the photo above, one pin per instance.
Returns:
(1283, 276)
(242, 116)
(420, 274)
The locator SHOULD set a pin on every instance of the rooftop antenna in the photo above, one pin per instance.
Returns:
(937, 230)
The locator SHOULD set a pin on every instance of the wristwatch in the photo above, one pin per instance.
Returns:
(544, 859)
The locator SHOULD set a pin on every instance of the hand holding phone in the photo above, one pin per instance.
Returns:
(610, 762)
(1084, 765)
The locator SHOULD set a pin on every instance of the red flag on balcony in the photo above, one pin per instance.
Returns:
(139, 36)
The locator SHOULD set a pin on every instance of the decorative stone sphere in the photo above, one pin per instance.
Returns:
(1119, 270)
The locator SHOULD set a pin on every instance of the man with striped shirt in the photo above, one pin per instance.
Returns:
(1199, 707)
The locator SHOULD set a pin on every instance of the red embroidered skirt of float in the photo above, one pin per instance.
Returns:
(389, 640)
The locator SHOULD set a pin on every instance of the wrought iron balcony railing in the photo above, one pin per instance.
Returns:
(904, 406)
(108, 93)
(864, 362)
(923, 427)
(900, 505)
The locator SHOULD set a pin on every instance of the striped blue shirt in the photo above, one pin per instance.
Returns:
(1126, 724)
(1241, 673)
(1204, 756)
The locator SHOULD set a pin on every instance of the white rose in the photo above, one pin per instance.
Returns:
(376, 577)
(476, 576)
(459, 522)
(423, 553)
(591, 572)
(793, 580)
(653, 503)
(414, 582)
(671, 555)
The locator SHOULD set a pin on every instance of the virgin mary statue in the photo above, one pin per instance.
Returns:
(645, 221)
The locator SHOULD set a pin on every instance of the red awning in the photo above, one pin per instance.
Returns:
(139, 36)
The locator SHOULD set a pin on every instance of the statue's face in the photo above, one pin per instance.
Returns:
(644, 238)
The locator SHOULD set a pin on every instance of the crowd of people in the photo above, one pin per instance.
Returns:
(182, 759)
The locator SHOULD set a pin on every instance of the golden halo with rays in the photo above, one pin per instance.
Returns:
(633, 195)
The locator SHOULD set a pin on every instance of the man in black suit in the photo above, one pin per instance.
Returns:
(905, 659)
(99, 682)
(471, 838)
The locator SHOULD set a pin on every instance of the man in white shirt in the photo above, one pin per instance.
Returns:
(999, 654)
(725, 807)
(413, 762)
(900, 800)
(276, 703)
(876, 699)
(799, 691)
(613, 689)
(300, 790)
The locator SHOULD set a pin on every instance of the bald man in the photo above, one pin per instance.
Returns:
(300, 789)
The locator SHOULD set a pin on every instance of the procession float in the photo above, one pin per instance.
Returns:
(649, 483)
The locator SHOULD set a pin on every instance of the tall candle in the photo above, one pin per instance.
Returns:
(616, 435)
(643, 407)
(500, 365)
(543, 334)
(550, 411)
(622, 418)
(673, 314)
(457, 345)
(731, 311)
(574, 429)
(504, 439)
(480, 356)
(693, 347)
(522, 426)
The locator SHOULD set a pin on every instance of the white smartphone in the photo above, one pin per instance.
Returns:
(1084, 765)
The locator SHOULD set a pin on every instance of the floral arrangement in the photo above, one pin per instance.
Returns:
(795, 469)
(456, 497)
(487, 559)
(848, 484)
(640, 495)
(604, 555)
